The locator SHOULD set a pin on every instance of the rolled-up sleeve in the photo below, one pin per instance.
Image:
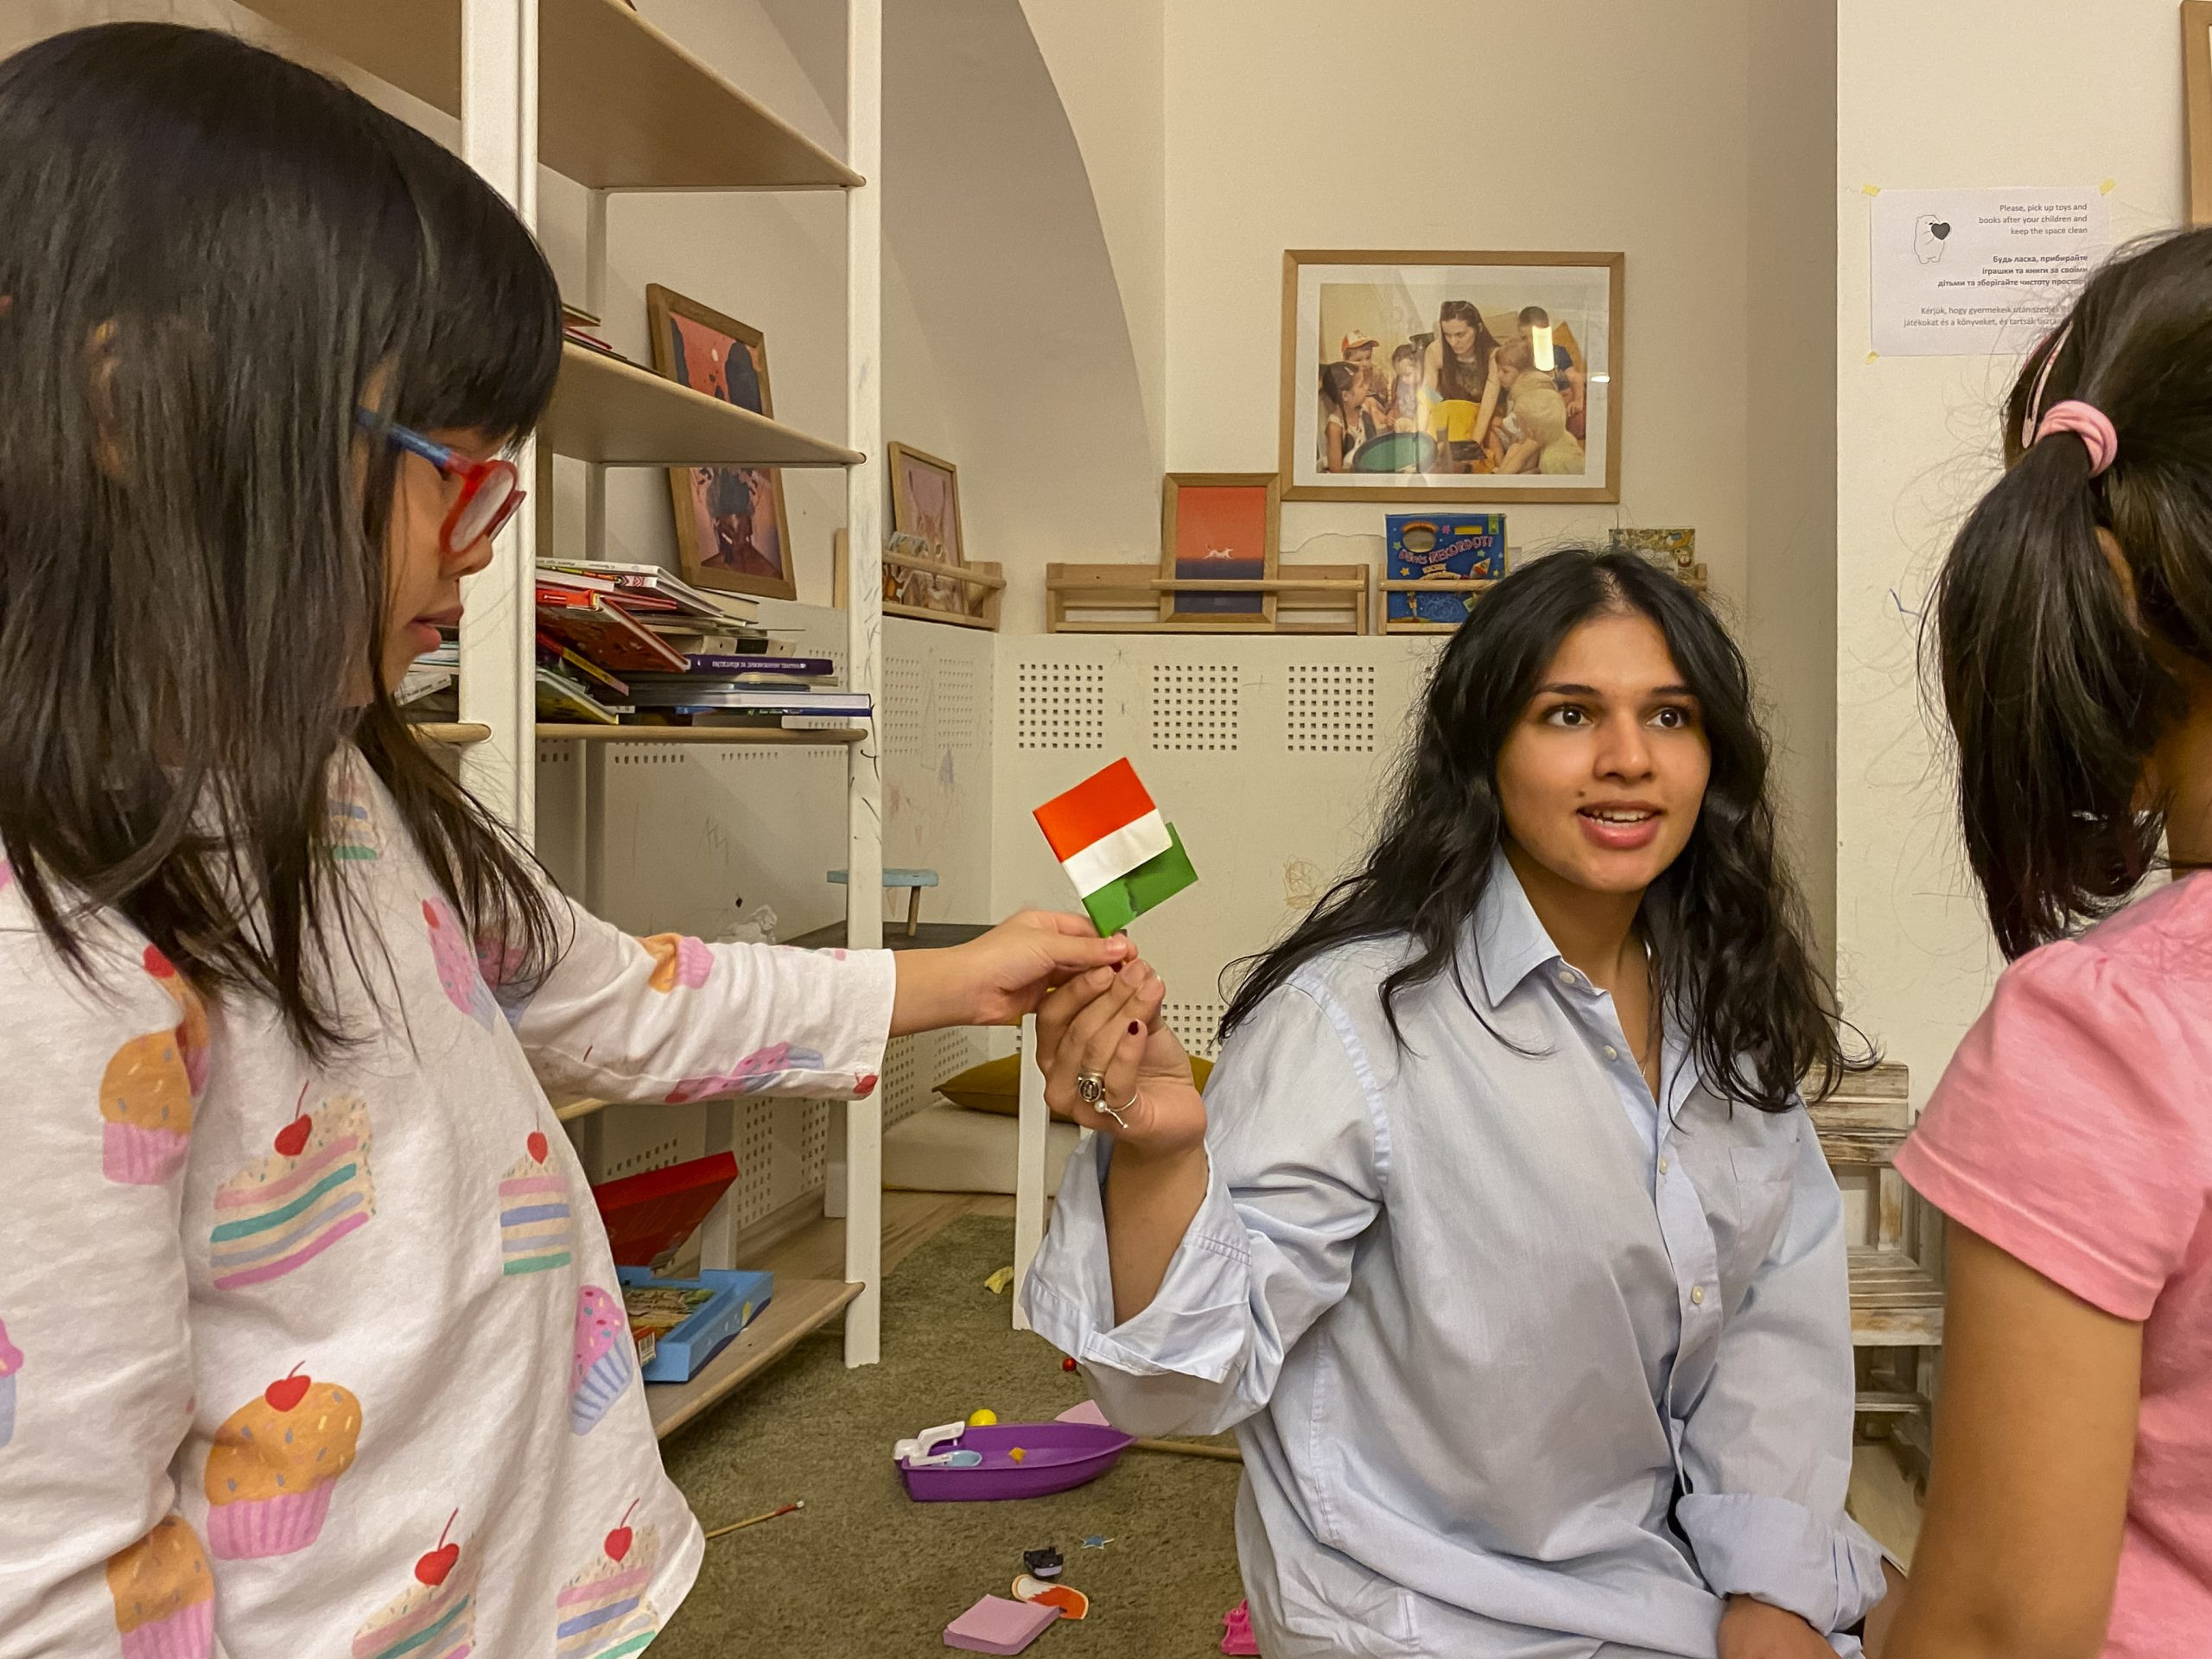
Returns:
(1296, 1154)
(1766, 1453)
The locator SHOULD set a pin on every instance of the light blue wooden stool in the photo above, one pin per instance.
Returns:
(912, 881)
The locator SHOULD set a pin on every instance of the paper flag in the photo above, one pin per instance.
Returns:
(1123, 856)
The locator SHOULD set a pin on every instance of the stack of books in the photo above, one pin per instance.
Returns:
(629, 644)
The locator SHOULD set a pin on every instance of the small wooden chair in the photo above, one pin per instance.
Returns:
(912, 881)
(1896, 1301)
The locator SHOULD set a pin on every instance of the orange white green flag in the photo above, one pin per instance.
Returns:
(1123, 856)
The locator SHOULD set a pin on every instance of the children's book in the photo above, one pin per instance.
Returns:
(1458, 547)
(607, 633)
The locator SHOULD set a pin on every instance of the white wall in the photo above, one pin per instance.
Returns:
(1987, 93)
(1626, 131)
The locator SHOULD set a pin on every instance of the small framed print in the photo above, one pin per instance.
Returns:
(925, 509)
(1473, 377)
(1219, 527)
(731, 531)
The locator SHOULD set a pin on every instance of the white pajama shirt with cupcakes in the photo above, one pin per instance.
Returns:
(331, 1360)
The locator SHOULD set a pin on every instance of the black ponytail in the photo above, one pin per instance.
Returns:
(2049, 678)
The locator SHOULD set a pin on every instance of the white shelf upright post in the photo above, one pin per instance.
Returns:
(498, 138)
(864, 494)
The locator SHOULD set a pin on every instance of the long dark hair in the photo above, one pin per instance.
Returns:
(2053, 693)
(213, 258)
(1726, 923)
(1449, 383)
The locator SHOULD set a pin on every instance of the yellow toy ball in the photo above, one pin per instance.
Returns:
(982, 1419)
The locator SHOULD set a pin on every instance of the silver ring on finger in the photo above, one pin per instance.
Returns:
(1116, 1115)
(1090, 1089)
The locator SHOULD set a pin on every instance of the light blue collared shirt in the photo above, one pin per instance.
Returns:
(1482, 1318)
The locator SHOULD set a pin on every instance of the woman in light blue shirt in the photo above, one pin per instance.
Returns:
(1503, 1237)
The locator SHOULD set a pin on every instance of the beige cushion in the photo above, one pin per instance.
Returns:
(995, 1085)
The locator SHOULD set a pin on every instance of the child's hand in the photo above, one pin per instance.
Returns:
(1108, 1025)
(1752, 1630)
(994, 980)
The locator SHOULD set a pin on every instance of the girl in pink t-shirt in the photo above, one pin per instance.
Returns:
(2071, 1142)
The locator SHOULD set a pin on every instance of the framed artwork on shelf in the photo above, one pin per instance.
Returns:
(925, 508)
(1452, 377)
(2196, 89)
(731, 531)
(1219, 527)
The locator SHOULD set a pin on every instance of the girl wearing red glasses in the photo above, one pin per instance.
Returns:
(309, 1339)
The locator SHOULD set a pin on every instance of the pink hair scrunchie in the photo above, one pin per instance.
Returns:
(2087, 423)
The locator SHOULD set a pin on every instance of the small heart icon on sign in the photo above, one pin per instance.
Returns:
(1940, 229)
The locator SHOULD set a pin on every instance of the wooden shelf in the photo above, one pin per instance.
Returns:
(450, 732)
(732, 734)
(620, 414)
(622, 105)
(799, 1308)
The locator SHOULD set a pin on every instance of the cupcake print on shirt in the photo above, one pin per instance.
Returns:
(764, 1067)
(464, 986)
(434, 1617)
(538, 1230)
(164, 1595)
(287, 1208)
(192, 1018)
(275, 1464)
(604, 1359)
(602, 1611)
(147, 1091)
(677, 960)
(11, 1361)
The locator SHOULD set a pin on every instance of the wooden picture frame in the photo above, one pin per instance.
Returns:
(719, 534)
(2196, 89)
(1361, 309)
(922, 505)
(1227, 507)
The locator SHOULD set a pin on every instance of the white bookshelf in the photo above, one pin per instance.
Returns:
(599, 94)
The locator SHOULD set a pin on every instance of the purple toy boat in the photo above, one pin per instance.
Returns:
(1054, 1456)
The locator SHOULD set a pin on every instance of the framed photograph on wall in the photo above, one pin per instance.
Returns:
(1412, 376)
(730, 527)
(926, 504)
(1219, 527)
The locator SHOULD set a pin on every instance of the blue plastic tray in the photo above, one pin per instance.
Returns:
(740, 1294)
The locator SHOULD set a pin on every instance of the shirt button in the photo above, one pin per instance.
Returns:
(1697, 1295)
(1663, 1165)
(1566, 976)
(1611, 1054)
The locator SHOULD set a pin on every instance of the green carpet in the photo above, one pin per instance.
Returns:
(862, 1570)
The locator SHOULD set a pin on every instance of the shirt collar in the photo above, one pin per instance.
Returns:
(1510, 942)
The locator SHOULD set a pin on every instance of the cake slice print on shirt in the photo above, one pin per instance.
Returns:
(434, 1617)
(352, 831)
(289, 1206)
(458, 973)
(11, 1361)
(603, 1360)
(164, 1595)
(537, 1230)
(764, 1067)
(602, 1611)
(276, 1461)
(678, 959)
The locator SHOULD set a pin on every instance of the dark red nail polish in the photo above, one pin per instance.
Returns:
(1117, 967)
(1135, 1028)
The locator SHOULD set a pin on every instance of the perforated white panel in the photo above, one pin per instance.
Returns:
(1195, 705)
(905, 705)
(1330, 708)
(1196, 1026)
(915, 1066)
(1060, 706)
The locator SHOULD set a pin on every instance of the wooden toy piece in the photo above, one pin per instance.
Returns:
(912, 881)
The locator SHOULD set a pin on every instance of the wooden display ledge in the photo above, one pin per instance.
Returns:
(984, 577)
(622, 105)
(799, 1308)
(928, 936)
(1315, 598)
(452, 732)
(613, 413)
(1473, 588)
(772, 735)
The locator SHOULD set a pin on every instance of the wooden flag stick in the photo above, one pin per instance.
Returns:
(755, 1520)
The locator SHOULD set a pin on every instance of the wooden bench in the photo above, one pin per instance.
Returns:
(1896, 1302)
